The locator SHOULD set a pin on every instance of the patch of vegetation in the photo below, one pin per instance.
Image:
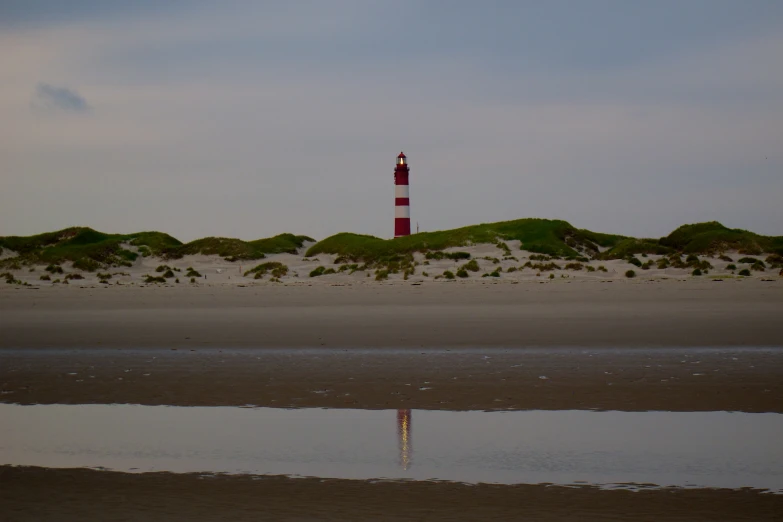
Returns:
(758, 267)
(748, 260)
(276, 269)
(775, 259)
(54, 269)
(13, 263)
(744, 272)
(630, 274)
(456, 256)
(319, 271)
(511, 269)
(573, 266)
(74, 276)
(191, 272)
(541, 257)
(731, 266)
(724, 257)
(45, 277)
(462, 273)
(602, 268)
(713, 237)
(90, 250)
(590, 268)
(629, 247)
(232, 249)
(542, 267)
(103, 276)
(85, 247)
(448, 274)
(551, 237)
(168, 274)
(153, 279)
(380, 275)
(89, 265)
(696, 272)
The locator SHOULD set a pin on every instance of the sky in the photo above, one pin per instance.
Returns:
(247, 118)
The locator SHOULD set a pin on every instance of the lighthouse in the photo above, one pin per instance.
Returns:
(402, 205)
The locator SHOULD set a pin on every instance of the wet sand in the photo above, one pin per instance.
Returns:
(631, 346)
(638, 379)
(100, 495)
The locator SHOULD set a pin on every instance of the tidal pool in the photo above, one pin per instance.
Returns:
(607, 448)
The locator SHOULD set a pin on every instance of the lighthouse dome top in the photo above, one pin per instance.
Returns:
(401, 159)
(402, 155)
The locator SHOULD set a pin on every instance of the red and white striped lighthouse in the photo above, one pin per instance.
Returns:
(402, 202)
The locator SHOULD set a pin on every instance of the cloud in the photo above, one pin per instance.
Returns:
(50, 97)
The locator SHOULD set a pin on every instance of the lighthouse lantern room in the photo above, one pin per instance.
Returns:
(402, 208)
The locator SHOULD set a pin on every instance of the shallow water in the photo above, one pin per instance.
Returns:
(691, 449)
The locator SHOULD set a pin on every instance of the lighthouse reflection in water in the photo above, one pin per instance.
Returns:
(404, 433)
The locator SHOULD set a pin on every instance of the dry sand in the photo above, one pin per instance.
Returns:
(629, 345)
(443, 314)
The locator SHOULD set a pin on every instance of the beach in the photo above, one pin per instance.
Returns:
(629, 345)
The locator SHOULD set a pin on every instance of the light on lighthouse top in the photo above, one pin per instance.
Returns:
(401, 159)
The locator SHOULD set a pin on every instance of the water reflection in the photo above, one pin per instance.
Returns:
(404, 435)
(687, 449)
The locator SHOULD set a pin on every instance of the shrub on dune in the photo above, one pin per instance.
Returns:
(471, 265)
(630, 273)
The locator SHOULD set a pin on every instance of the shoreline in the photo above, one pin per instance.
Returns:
(85, 494)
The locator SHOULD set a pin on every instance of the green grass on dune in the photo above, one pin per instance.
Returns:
(237, 249)
(552, 237)
(91, 250)
(713, 237)
(88, 249)
(632, 246)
